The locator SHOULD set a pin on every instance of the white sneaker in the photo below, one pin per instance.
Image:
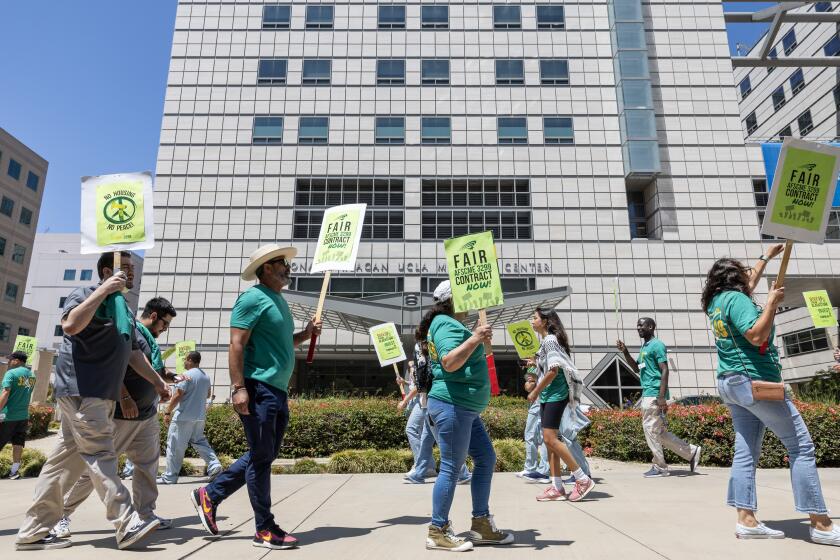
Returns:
(760, 531)
(521, 474)
(62, 528)
(695, 458)
(826, 537)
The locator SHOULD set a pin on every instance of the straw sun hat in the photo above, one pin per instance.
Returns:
(265, 254)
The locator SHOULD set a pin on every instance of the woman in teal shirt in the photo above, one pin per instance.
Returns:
(460, 392)
(746, 353)
(553, 392)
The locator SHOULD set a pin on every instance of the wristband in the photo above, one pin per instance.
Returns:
(764, 258)
(167, 414)
(237, 389)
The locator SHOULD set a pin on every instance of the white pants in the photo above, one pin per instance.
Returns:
(658, 436)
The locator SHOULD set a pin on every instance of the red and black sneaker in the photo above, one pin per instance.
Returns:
(206, 510)
(275, 538)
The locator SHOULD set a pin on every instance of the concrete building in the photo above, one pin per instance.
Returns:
(57, 269)
(600, 140)
(23, 174)
(777, 102)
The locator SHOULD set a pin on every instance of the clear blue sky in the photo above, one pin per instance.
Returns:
(83, 82)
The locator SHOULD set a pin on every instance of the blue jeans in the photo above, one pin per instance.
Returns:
(750, 418)
(415, 430)
(265, 426)
(536, 454)
(424, 462)
(182, 434)
(460, 431)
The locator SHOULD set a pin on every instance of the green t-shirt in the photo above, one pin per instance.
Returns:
(651, 354)
(270, 352)
(469, 386)
(549, 358)
(732, 314)
(19, 381)
(154, 357)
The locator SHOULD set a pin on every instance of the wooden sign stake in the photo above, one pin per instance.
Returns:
(310, 356)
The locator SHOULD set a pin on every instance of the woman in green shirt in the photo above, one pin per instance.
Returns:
(460, 393)
(746, 353)
(552, 390)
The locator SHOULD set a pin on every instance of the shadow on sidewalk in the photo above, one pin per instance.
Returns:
(794, 528)
(528, 539)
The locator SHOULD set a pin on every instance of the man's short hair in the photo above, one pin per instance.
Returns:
(106, 260)
(648, 321)
(194, 357)
(158, 305)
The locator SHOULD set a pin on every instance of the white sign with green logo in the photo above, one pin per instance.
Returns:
(338, 242)
(182, 349)
(802, 191)
(117, 212)
(387, 343)
(28, 345)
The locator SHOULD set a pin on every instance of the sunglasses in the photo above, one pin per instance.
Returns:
(280, 260)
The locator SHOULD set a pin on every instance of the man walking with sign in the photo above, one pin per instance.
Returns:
(14, 408)
(652, 367)
(261, 360)
(136, 427)
(99, 343)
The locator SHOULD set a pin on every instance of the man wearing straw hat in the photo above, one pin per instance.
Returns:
(261, 360)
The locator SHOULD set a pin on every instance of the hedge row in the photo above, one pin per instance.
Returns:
(324, 427)
(39, 421)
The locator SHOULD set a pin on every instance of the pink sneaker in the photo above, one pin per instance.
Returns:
(582, 488)
(552, 494)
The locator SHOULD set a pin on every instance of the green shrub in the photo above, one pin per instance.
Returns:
(225, 460)
(40, 418)
(371, 461)
(823, 388)
(617, 434)
(307, 466)
(510, 455)
(31, 462)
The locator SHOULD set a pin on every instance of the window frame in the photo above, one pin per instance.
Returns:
(385, 139)
(435, 81)
(560, 140)
(69, 277)
(389, 80)
(751, 127)
(804, 131)
(745, 91)
(276, 24)
(834, 42)
(313, 140)
(778, 102)
(310, 24)
(787, 45)
(270, 80)
(551, 24)
(799, 85)
(267, 140)
(86, 274)
(511, 80)
(28, 214)
(14, 169)
(15, 289)
(554, 81)
(432, 139)
(18, 254)
(797, 339)
(320, 78)
(436, 24)
(390, 25)
(507, 24)
(7, 206)
(508, 123)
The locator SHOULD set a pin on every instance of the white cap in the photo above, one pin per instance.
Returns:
(443, 292)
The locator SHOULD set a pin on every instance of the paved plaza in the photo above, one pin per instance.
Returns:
(371, 516)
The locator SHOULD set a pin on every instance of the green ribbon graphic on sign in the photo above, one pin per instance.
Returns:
(120, 215)
(473, 271)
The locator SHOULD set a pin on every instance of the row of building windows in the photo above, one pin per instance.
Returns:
(797, 84)
(268, 130)
(70, 274)
(6, 331)
(368, 286)
(7, 208)
(463, 206)
(433, 16)
(392, 72)
(15, 170)
(18, 253)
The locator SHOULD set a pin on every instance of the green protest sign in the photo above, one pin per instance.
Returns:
(338, 242)
(27, 345)
(169, 351)
(524, 339)
(117, 212)
(820, 308)
(181, 350)
(473, 271)
(387, 343)
(802, 191)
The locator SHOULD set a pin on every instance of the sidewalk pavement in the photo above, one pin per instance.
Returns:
(373, 516)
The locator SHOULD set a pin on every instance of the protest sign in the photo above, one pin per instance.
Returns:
(117, 213)
(820, 308)
(801, 194)
(169, 351)
(28, 345)
(338, 245)
(524, 339)
(387, 343)
(182, 349)
(474, 277)
(389, 348)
